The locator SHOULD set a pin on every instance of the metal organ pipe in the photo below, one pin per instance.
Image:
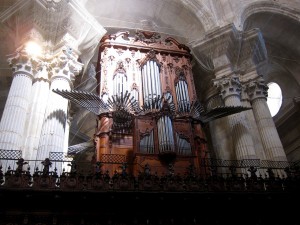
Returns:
(157, 76)
(165, 128)
(148, 82)
(151, 138)
(144, 83)
(170, 133)
(150, 145)
(152, 79)
(159, 134)
(182, 94)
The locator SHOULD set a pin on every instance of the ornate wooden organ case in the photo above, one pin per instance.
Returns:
(147, 83)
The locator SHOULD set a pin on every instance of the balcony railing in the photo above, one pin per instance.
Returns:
(220, 176)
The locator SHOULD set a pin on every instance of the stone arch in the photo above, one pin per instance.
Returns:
(265, 6)
(201, 12)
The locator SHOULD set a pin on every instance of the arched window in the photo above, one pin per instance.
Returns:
(274, 99)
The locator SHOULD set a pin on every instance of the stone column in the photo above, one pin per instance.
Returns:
(257, 91)
(14, 115)
(64, 68)
(35, 117)
(253, 129)
(230, 89)
(67, 132)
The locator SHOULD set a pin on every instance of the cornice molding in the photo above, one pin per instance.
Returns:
(253, 52)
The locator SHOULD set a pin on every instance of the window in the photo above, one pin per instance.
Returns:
(274, 99)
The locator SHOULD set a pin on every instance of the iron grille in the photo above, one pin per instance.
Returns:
(56, 156)
(250, 162)
(10, 154)
(113, 158)
(274, 164)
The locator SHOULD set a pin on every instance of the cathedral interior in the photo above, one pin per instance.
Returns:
(149, 112)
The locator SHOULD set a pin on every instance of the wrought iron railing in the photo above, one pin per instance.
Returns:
(171, 178)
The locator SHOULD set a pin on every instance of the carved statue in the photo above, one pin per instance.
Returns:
(46, 164)
(20, 164)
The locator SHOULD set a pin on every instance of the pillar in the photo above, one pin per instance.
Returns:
(253, 129)
(64, 68)
(257, 91)
(230, 89)
(35, 117)
(13, 120)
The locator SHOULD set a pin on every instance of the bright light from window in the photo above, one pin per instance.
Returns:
(33, 49)
(274, 99)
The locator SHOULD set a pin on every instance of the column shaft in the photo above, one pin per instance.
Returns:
(257, 91)
(14, 115)
(242, 140)
(230, 89)
(35, 118)
(53, 130)
(269, 135)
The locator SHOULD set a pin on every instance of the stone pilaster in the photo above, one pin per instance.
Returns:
(64, 69)
(14, 115)
(257, 91)
(230, 90)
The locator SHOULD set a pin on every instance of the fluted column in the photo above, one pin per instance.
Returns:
(53, 131)
(230, 89)
(67, 132)
(35, 117)
(253, 129)
(257, 91)
(14, 115)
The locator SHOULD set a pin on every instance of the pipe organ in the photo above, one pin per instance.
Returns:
(154, 75)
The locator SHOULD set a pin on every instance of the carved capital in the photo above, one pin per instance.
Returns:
(228, 86)
(22, 63)
(42, 73)
(65, 65)
(257, 89)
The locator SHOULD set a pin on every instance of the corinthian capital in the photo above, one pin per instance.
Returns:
(257, 89)
(65, 65)
(22, 63)
(228, 86)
